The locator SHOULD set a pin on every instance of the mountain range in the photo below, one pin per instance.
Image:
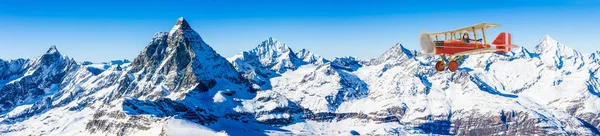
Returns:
(178, 85)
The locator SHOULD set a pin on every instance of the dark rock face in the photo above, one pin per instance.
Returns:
(102, 123)
(509, 123)
(168, 108)
(469, 123)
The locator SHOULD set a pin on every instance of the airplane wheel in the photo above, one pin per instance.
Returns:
(439, 66)
(453, 65)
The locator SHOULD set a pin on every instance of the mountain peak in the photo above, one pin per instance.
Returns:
(52, 50)
(547, 38)
(271, 39)
(181, 24)
(397, 46)
(399, 49)
(553, 52)
(310, 57)
(302, 53)
(274, 45)
(396, 52)
(275, 55)
(548, 44)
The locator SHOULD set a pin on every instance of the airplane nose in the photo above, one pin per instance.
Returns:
(427, 46)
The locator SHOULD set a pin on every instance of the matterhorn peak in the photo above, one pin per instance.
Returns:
(181, 25)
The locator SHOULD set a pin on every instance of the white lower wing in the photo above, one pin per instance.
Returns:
(477, 51)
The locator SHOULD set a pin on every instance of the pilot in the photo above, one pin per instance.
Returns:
(466, 38)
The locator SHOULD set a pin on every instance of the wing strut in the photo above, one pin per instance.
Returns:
(475, 38)
(483, 33)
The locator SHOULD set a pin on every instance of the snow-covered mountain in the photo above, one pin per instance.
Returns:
(178, 84)
(33, 79)
(553, 52)
(270, 59)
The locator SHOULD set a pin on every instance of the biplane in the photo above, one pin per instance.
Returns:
(455, 47)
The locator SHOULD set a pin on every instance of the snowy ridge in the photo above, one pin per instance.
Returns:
(269, 59)
(308, 56)
(179, 85)
(275, 55)
(554, 53)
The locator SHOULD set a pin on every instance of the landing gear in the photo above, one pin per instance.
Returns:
(439, 66)
(452, 65)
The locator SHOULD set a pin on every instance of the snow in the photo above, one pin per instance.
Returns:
(18, 110)
(346, 127)
(99, 66)
(179, 127)
(310, 95)
(218, 98)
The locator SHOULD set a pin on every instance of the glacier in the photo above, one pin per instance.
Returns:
(178, 85)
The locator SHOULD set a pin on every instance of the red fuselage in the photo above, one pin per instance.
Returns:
(457, 46)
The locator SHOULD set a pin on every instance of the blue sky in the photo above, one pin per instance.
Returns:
(108, 30)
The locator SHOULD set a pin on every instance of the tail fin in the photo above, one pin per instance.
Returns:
(503, 38)
(503, 43)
